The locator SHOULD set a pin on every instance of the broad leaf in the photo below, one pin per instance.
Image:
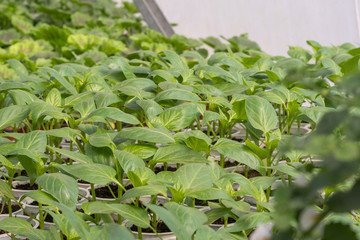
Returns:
(34, 141)
(91, 172)
(135, 215)
(113, 114)
(261, 113)
(178, 153)
(193, 177)
(55, 74)
(237, 152)
(177, 94)
(128, 161)
(61, 186)
(78, 157)
(5, 190)
(143, 191)
(13, 114)
(147, 134)
(22, 227)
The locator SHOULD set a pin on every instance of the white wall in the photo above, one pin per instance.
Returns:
(274, 24)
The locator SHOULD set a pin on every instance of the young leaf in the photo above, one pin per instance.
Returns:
(13, 114)
(236, 151)
(22, 227)
(69, 133)
(112, 230)
(177, 94)
(178, 153)
(183, 221)
(34, 141)
(5, 190)
(128, 161)
(147, 134)
(54, 97)
(150, 107)
(192, 177)
(143, 191)
(114, 114)
(79, 157)
(140, 176)
(61, 186)
(261, 114)
(55, 74)
(206, 232)
(250, 221)
(91, 172)
(135, 215)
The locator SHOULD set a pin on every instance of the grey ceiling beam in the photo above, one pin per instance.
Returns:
(154, 17)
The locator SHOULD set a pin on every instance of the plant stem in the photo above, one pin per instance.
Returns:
(222, 160)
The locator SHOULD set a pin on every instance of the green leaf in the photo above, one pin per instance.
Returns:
(40, 196)
(80, 226)
(178, 153)
(21, 97)
(77, 98)
(135, 215)
(5, 190)
(183, 136)
(85, 108)
(192, 177)
(150, 107)
(112, 231)
(140, 83)
(175, 60)
(13, 114)
(330, 64)
(177, 94)
(78, 157)
(140, 176)
(22, 227)
(250, 221)
(83, 42)
(9, 85)
(104, 99)
(143, 191)
(40, 109)
(261, 113)
(128, 161)
(20, 69)
(34, 141)
(209, 194)
(147, 134)
(54, 97)
(183, 221)
(61, 186)
(197, 144)
(176, 118)
(143, 151)
(102, 140)
(273, 96)
(210, 116)
(66, 132)
(114, 114)
(237, 152)
(91, 172)
(55, 74)
(206, 232)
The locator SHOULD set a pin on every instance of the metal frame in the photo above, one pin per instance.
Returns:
(154, 17)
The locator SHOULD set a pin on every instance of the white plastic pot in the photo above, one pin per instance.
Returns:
(19, 192)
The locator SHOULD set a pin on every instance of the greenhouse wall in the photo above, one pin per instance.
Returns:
(274, 24)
